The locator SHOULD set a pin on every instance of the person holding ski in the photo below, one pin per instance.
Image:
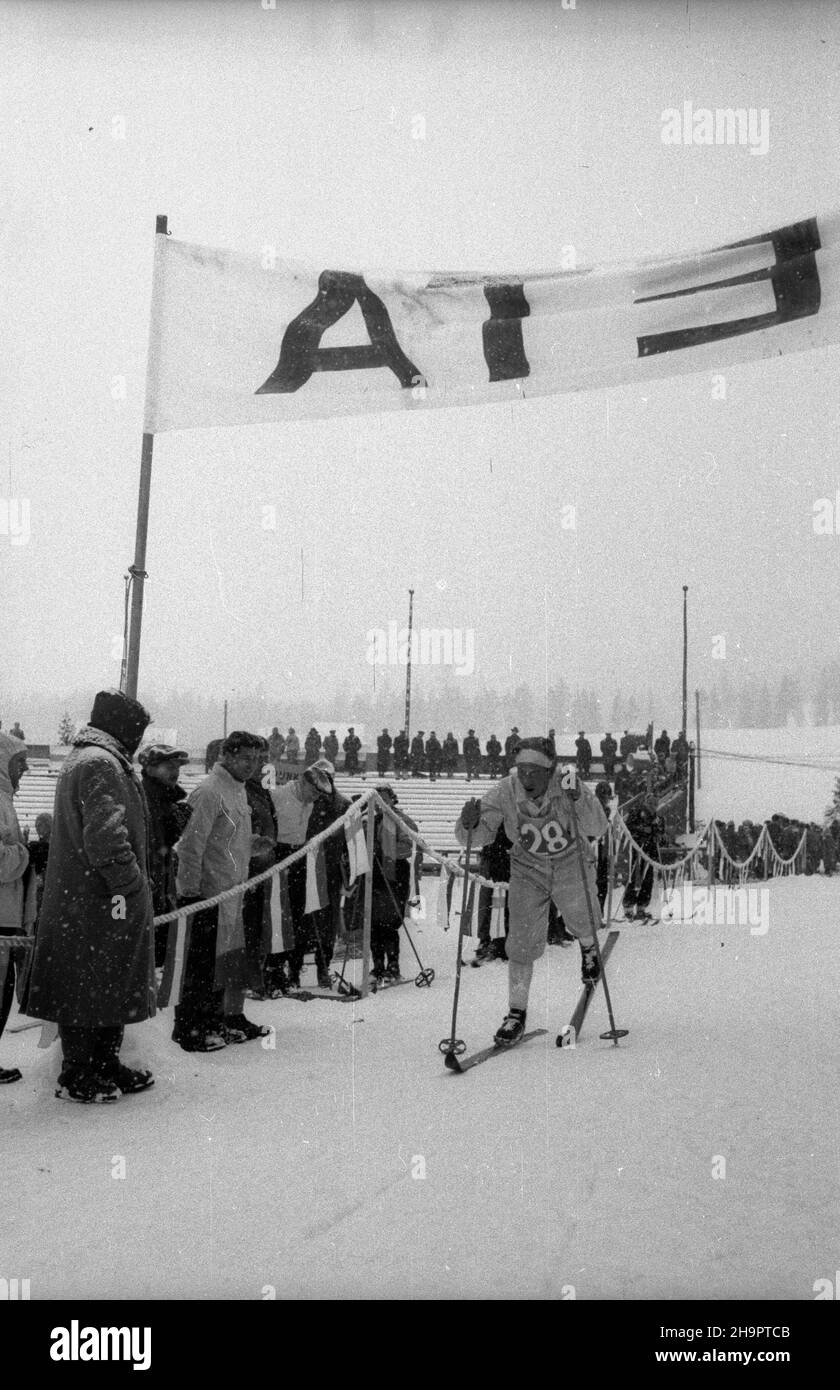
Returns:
(539, 815)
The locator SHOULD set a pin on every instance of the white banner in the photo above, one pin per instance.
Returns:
(235, 341)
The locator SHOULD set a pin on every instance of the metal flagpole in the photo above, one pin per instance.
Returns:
(684, 725)
(137, 571)
(408, 664)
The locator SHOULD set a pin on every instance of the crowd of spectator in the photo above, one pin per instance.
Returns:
(121, 849)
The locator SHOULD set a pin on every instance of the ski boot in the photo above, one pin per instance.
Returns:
(590, 968)
(482, 952)
(392, 972)
(511, 1030)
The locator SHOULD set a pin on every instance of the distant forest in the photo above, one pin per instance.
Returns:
(443, 703)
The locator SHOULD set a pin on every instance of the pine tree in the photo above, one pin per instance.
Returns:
(66, 729)
(832, 812)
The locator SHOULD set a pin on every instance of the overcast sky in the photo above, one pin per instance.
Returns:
(295, 127)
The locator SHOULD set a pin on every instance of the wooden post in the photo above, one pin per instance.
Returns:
(697, 745)
(371, 823)
(691, 787)
(138, 569)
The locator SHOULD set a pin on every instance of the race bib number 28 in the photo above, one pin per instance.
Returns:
(542, 839)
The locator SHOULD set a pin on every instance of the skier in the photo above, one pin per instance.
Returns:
(537, 815)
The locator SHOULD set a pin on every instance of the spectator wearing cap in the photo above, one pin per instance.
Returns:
(293, 803)
(494, 757)
(472, 754)
(434, 752)
(450, 754)
(511, 745)
(331, 747)
(321, 927)
(609, 748)
(214, 853)
(276, 747)
(400, 755)
(311, 747)
(584, 753)
(351, 747)
(418, 754)
(17, 732)
(256, 903)
(93, 967)
(383, 752)
(17, 887)
(391, 884)
(168, 815)
(39, 854)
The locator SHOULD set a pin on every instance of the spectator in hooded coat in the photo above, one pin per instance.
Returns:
(17, 885)
(584, 754)
(292, 747)
(434, 753)
(311, 747)
(494, 757)
(609, 748)
(93, 967)
(418, 754)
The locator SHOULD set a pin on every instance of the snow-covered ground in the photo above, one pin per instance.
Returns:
(697, 1160)
(739, 788)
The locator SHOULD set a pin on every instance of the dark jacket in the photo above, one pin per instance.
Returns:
(94, 968)
(168, 815)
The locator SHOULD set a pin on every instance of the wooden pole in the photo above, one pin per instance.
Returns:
(697, 740)
(371, 825)
(138, 569)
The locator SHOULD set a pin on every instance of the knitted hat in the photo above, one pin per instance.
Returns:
(117, 714)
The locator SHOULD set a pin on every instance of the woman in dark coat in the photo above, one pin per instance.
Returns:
(93, 970)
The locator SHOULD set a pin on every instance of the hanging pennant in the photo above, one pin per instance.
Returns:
(282, 927)
(177, 946)
(354, 833)
(316, 880)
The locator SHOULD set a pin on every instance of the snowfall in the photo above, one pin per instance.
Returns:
(339, 1158)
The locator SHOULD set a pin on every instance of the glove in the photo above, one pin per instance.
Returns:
(471, 814)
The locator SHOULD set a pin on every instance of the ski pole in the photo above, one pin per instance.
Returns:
(614, 1033)
(452, 1045)
(426, 976)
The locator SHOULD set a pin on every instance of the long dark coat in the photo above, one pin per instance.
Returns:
(94, 968)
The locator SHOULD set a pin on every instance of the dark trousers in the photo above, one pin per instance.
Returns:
(8, 995)
(639, 889)
(89, 1049)
(253, 923)
(390, 897)
(200, 1008)
(296, 880)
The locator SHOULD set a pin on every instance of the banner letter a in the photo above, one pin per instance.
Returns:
(301, 355)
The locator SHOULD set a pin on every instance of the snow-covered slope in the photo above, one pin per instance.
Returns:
(347, 1162)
